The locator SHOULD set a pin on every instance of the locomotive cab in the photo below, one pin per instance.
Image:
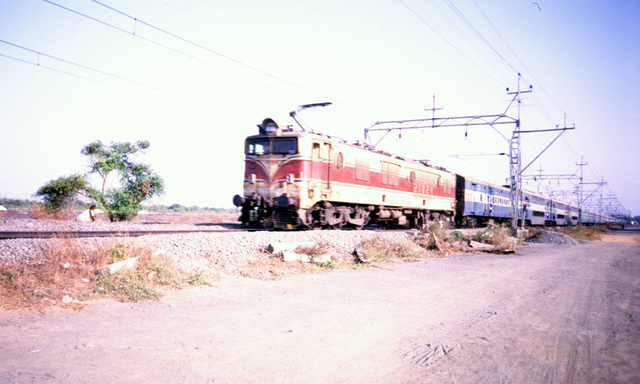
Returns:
(272, 169)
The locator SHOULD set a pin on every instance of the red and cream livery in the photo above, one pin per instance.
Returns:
(304, 179)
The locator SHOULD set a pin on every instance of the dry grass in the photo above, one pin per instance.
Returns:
(63, 277)
(382, 250)
(496, 235)
(271, 267)
(66, 277)
(148, 280)
(585, 232)
(40, 212)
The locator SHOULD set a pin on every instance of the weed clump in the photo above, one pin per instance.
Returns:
(496, 235)
(383, 250)
(313, 251)
(148, 280)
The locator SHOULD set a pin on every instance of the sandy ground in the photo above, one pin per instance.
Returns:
(545, 314)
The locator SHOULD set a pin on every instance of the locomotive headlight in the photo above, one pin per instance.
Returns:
(271, 128)
(268, 127)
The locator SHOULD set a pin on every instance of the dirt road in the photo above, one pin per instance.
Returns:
(545, 314)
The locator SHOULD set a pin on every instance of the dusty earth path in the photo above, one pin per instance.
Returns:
(545, 314)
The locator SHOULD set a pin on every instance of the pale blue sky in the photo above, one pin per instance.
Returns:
(375, 60)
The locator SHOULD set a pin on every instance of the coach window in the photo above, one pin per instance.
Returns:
(412, 176)
(339, 160)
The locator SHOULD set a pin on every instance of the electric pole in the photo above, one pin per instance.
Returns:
(580, 188)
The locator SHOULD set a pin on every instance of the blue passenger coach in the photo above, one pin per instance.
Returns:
(478, 202)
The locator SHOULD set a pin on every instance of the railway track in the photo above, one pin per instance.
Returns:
(6, 235)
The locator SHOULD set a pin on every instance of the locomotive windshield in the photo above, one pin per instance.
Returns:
(276, 146)
(258, 147)
(285, 146)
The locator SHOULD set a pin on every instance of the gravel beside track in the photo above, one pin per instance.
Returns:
(222, 253)
(230, 253)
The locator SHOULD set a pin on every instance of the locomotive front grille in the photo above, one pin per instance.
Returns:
(286, 218)
(253, 215)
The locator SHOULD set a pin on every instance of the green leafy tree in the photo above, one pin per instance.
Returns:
(138, 182)
(62, 192)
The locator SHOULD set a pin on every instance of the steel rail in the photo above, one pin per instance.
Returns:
(6, 235)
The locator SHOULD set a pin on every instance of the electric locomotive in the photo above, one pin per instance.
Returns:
(301, 179)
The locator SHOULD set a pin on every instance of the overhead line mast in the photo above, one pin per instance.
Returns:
(515, 150)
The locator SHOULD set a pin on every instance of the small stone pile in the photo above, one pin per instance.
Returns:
(550, 237)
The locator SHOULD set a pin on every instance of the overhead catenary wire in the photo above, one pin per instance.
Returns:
(475, 30)
(475, 46)
(202, 47)
(540, 104)
(539, 84)
(40, 65)
(91, 69)
(425, 22)
(165, 46)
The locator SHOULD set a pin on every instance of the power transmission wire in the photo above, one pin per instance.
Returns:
(475, 30)
(190, 42)
(447, 41)
(153, 41)
(445, 14)
(91, 69)
(40, 65)
(541, 105)
(539, 101)
(524, 66)
(199, 46)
